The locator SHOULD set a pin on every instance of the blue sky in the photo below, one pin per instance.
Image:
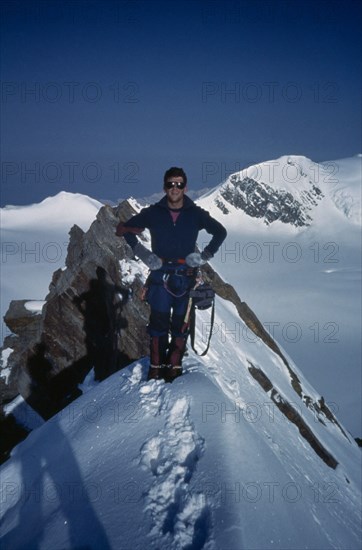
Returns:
(102, 97)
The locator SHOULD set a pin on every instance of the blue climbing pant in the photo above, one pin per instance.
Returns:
(168, 296)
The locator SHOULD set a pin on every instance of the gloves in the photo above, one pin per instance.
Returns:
(149, 258)
(195, 258)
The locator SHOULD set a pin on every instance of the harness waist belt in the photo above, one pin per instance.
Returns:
(181, 261)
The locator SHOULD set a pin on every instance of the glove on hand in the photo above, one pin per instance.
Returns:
(196, 259)
(149, 258)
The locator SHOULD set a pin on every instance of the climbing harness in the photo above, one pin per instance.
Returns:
(174, 282)
(201, 297)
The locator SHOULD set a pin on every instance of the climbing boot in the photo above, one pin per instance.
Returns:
(171, 373)
(156, 372)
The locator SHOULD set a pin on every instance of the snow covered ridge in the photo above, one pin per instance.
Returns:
(290, 189)
(96, 281)
(204, 464)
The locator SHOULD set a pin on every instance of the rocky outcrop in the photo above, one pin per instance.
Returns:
(91, 318)
(260, 200)
(293, 416)
(25, 326)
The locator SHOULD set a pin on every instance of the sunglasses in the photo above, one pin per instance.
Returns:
(178, 184)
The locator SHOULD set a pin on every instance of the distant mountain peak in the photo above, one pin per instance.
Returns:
(290, 190)
(269, 192)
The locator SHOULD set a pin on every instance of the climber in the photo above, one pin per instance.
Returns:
(174, 223)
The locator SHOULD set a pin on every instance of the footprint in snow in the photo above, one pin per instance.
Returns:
(129, 379)
(181, 517)
(152, 396)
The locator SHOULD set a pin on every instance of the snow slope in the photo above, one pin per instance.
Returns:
(345, 190)
(208, 462)
(303, 282)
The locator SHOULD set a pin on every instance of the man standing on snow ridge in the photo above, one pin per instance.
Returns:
(174, 223)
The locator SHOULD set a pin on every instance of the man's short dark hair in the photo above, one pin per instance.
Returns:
(174, 172)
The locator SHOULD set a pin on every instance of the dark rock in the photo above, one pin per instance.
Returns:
(26, 326)
(260, 200)
(293, 416)
(19, 319)
(11, 434)
(90, 319)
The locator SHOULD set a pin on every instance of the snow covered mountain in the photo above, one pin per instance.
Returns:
(293, 253)
(290, 190)
(260, 200)
(240, 453)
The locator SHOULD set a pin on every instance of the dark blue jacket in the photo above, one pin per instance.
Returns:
(171, 240)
